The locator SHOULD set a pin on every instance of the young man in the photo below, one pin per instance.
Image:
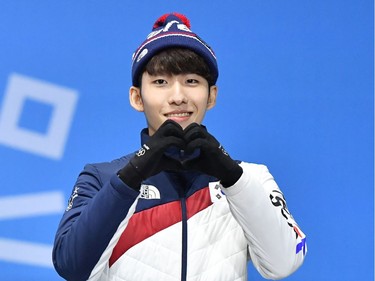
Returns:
(179, 208)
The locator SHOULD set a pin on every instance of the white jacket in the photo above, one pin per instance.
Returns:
(210, 234)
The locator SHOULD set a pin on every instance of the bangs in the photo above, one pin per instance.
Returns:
(177, 61)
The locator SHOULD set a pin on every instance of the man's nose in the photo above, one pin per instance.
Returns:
(177, 94)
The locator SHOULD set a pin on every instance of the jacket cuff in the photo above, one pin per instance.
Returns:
(124, 191)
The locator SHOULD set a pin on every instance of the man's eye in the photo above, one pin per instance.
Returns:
(160, 81)
(192, 81)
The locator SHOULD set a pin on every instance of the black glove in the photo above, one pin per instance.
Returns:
(150, 159)
(213, 159)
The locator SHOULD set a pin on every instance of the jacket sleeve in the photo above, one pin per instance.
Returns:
(276, 244)
(95, 211)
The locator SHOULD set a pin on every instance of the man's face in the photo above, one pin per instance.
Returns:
(183, 98)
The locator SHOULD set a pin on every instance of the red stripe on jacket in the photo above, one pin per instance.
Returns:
(148, 222)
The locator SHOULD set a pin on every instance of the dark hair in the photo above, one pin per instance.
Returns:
(178, 61)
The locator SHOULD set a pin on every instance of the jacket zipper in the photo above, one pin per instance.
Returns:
(184, 240)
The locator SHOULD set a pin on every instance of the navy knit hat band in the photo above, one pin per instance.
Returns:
(171, 30)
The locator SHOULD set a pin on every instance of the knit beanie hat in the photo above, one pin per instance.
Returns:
(171, 30)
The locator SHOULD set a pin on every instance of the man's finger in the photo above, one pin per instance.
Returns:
(170, 128)
(173, 141)
(192, 133)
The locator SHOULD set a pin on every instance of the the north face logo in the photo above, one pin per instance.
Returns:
(149, 192)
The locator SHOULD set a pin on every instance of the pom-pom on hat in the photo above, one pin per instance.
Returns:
(171, 30)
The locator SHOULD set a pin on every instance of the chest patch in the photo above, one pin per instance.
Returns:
(149, 192)
(215, 192)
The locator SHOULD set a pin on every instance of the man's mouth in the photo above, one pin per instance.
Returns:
(178, 114)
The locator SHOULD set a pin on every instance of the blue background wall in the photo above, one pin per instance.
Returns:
(296, 93)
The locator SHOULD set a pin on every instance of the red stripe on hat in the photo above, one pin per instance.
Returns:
(149, 222)
(169, 34)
